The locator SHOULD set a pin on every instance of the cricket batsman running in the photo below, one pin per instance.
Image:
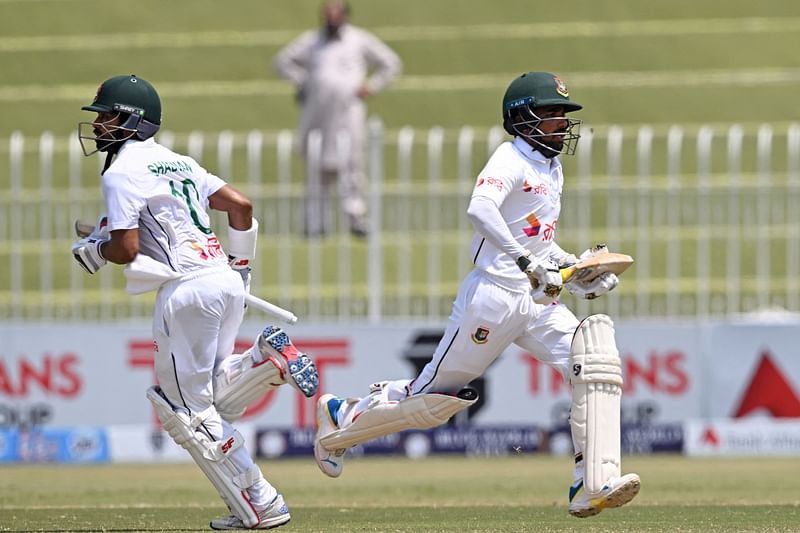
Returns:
(158, 225)
(512, 297)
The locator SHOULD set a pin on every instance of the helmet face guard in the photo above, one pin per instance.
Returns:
(523, 121)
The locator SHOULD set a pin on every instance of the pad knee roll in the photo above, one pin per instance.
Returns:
(596, 377)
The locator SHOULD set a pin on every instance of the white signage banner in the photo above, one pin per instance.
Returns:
(79, 374)
(756, 437)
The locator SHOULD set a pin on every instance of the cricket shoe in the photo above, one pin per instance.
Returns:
(274, 344)
(616, 493)
(330, 463)
(273, 515)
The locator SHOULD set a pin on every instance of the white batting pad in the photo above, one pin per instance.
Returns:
(239, 381)
(421, 411)
(596, 375)
(210, 456)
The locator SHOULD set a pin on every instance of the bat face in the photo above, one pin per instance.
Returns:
(594, 266)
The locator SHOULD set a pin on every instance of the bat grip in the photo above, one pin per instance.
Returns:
(567, 273)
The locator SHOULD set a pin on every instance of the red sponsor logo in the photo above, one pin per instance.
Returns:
(540, 189)
(491, 182)
(226, 446)
(535, 226)
(549, 231)
(769, 390)
(659, 372)
(710, 437)
(51, 374)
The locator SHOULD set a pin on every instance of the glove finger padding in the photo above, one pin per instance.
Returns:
(597, 249)
(87, 253)
(590, 290)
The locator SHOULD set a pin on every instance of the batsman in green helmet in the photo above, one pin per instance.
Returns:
(512, 297)
(158, 224)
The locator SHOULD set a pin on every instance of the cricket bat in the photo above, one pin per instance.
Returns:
(589, 269)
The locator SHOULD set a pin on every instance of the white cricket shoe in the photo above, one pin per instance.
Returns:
(274, 344)
(330, 463)
(274, 515)
(616, 493)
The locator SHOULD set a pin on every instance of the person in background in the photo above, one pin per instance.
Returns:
(334, 70)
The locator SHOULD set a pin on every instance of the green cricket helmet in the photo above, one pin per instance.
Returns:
(135, 101)
(532, 91)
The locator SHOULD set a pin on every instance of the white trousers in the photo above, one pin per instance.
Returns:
(195, 325)
(485, 320)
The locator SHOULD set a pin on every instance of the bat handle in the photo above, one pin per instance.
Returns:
(270, 309)
(567, 273)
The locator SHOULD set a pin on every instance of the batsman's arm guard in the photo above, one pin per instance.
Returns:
(211, 456)
(384, 417)
(596, 376)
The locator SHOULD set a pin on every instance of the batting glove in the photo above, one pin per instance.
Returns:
(87, 253)
(590, 290)
(545, 278)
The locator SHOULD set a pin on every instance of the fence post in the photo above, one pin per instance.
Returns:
(46, 150)
(283, 146)
(644, 148)
(763, 265)
(704, 139)
(583, 192)
(466, 180)
(615, 136)
(673, 272)
(374, 238)
(225, 155)
(792, 217)
(405, 149)
(314, 220)
(344, 291)
(435, 141)
(733, 246)
(194, 145)
(16, 170)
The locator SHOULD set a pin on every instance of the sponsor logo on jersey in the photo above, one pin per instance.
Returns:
(493, 182)
(481, 335)
(535, 226)
(540, 189)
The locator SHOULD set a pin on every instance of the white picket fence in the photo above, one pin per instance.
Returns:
(710, 213)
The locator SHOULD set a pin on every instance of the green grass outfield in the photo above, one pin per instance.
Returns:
(512, 494)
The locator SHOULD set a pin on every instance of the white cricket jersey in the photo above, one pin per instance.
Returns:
(165, 195)
(526, 187)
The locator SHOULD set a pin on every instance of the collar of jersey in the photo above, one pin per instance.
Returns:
(131, 142)
(534, 155)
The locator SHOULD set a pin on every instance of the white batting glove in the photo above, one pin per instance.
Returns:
(597, 249)
(87, 253)
(545, 278)
(242, 267)
(590, 290)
